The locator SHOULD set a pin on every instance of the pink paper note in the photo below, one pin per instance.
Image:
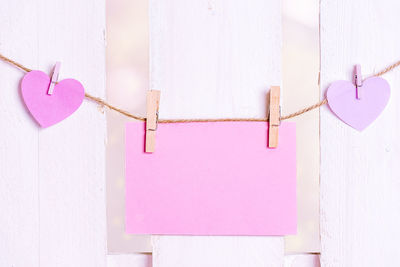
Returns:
(215, 178)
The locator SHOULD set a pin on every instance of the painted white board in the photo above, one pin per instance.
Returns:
(129, 260)
(52, 181)
(360, 171)
(214, 59)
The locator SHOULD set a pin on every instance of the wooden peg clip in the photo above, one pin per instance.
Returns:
(358, 80)
(54, 78)
(274, 116)
(153, 102)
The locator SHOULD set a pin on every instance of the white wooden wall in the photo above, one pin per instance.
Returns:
(215, 59)
(208, 62)
(360, 172)
(52, 181)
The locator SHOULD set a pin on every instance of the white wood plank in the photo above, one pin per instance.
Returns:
(218, 251)
(129, 260)
(215, 59)
(19, 220)
(145, 260)
(72, 154)
(360, 171)
(55, 177)
(302, 260)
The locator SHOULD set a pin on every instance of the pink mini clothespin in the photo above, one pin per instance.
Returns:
(54, 78)
(358, 80)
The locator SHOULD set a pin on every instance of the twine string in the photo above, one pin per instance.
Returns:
(12, 62)
(388, 68)
(104, 103)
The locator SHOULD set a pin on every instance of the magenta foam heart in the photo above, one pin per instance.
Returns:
(47, 109)
(358, 113)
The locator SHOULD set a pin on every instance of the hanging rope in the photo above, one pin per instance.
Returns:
(104, 103)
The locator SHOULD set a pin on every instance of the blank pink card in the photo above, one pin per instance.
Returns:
(211, 178)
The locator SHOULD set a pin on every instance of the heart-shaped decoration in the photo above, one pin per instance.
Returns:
(358, 113)
(50, 109)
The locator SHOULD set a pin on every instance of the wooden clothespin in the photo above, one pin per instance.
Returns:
(54, 78)
(358, 80)
(274, 116)
(153, 102)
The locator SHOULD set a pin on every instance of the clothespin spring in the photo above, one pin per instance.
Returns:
(280, 116)
(155, 128)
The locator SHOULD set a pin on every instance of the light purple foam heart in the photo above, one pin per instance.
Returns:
(358, 113)
(50, 109)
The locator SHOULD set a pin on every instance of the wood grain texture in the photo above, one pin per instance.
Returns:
(19, 192)
(215, 59)
(152, 107)
(200, 251)
(360, 172)
(145, 260)
(274, 116)
(130, 260)
(52, 180)
(302, 260)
